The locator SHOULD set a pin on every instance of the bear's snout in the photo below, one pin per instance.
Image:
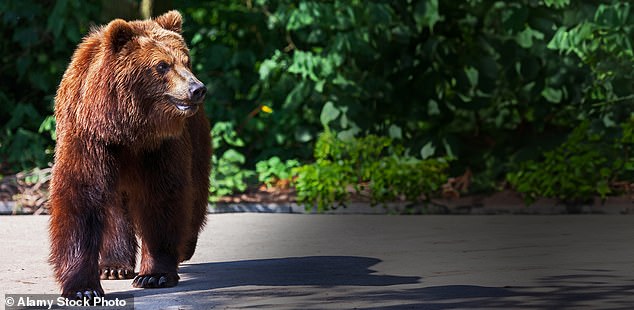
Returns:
(197, 92)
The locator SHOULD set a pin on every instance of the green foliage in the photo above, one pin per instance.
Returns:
(596, 153)
(354, 164)
(38, 40)
(393, 178)
(498, 86)
(274, 170)
(230, 43)
(227, 173)
(323, 184)
(471, 80)
(603, 41)
(557, 3)
(579, 169)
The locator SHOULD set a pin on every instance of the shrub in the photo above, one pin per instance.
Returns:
(581, 168)
(227, 172)
(38, 40)
(274, 171)
(373, 163)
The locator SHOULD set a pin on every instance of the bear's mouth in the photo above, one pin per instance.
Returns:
(183, 106)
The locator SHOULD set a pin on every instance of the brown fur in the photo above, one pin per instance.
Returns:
(132, 157)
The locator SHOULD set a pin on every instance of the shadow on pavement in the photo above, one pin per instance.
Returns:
(336, 281)
(587, 289)
(326, 271)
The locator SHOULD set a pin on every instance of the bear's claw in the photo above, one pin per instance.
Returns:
(84, 294)
(111, 273)
(158, 280)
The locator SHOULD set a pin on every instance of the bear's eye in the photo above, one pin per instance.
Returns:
(162, 67)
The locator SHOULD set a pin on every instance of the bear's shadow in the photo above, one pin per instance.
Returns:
(306, 277)
(323, 271)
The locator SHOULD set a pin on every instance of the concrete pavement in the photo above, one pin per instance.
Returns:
(299, 261)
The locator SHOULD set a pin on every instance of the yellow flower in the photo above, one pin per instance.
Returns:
(266, 109)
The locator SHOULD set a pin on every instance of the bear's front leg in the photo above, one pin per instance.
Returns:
(162, 211)
(75, 241)
(161, 230)
(158, 270)
(77, 218)
(160, 237)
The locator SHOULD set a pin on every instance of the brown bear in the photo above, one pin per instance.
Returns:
(132, 158)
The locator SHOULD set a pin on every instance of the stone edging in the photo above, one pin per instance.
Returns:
(7, 208)
(364, 208)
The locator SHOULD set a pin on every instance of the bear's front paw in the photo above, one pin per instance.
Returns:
(116, 273)
(156, 280)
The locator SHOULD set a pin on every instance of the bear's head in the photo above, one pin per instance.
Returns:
(157, 60)
(131, 83)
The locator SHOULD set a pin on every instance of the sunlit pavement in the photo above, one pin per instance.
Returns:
(293, 261)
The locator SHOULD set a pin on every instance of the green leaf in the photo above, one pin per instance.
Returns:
(552, 95)
(319, 86)
(557, 3)
(303, 135)
(296, 96)
(348, 134)
(395, 132)
(472, 75)
(266, 67)
(525, 37)
(428, 150)
(329, 113)
(426, 14)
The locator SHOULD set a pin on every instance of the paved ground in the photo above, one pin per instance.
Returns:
(287, 261)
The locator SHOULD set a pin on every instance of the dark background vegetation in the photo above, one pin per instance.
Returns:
(386, 97)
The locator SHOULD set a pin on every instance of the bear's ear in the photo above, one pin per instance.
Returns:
(117, 34)
(171, 20)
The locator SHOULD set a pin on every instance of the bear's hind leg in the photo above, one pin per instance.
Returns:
(197, 222)
(117, 257)
(201, 149)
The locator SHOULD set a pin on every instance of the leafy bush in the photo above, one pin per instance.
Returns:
(274, 171)
(579, 169)
(393, 178)
(471, 80)
(38, 40)
(376, 162)
(597, 153)
(324, 184)
(488, 83)
(227, 172)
